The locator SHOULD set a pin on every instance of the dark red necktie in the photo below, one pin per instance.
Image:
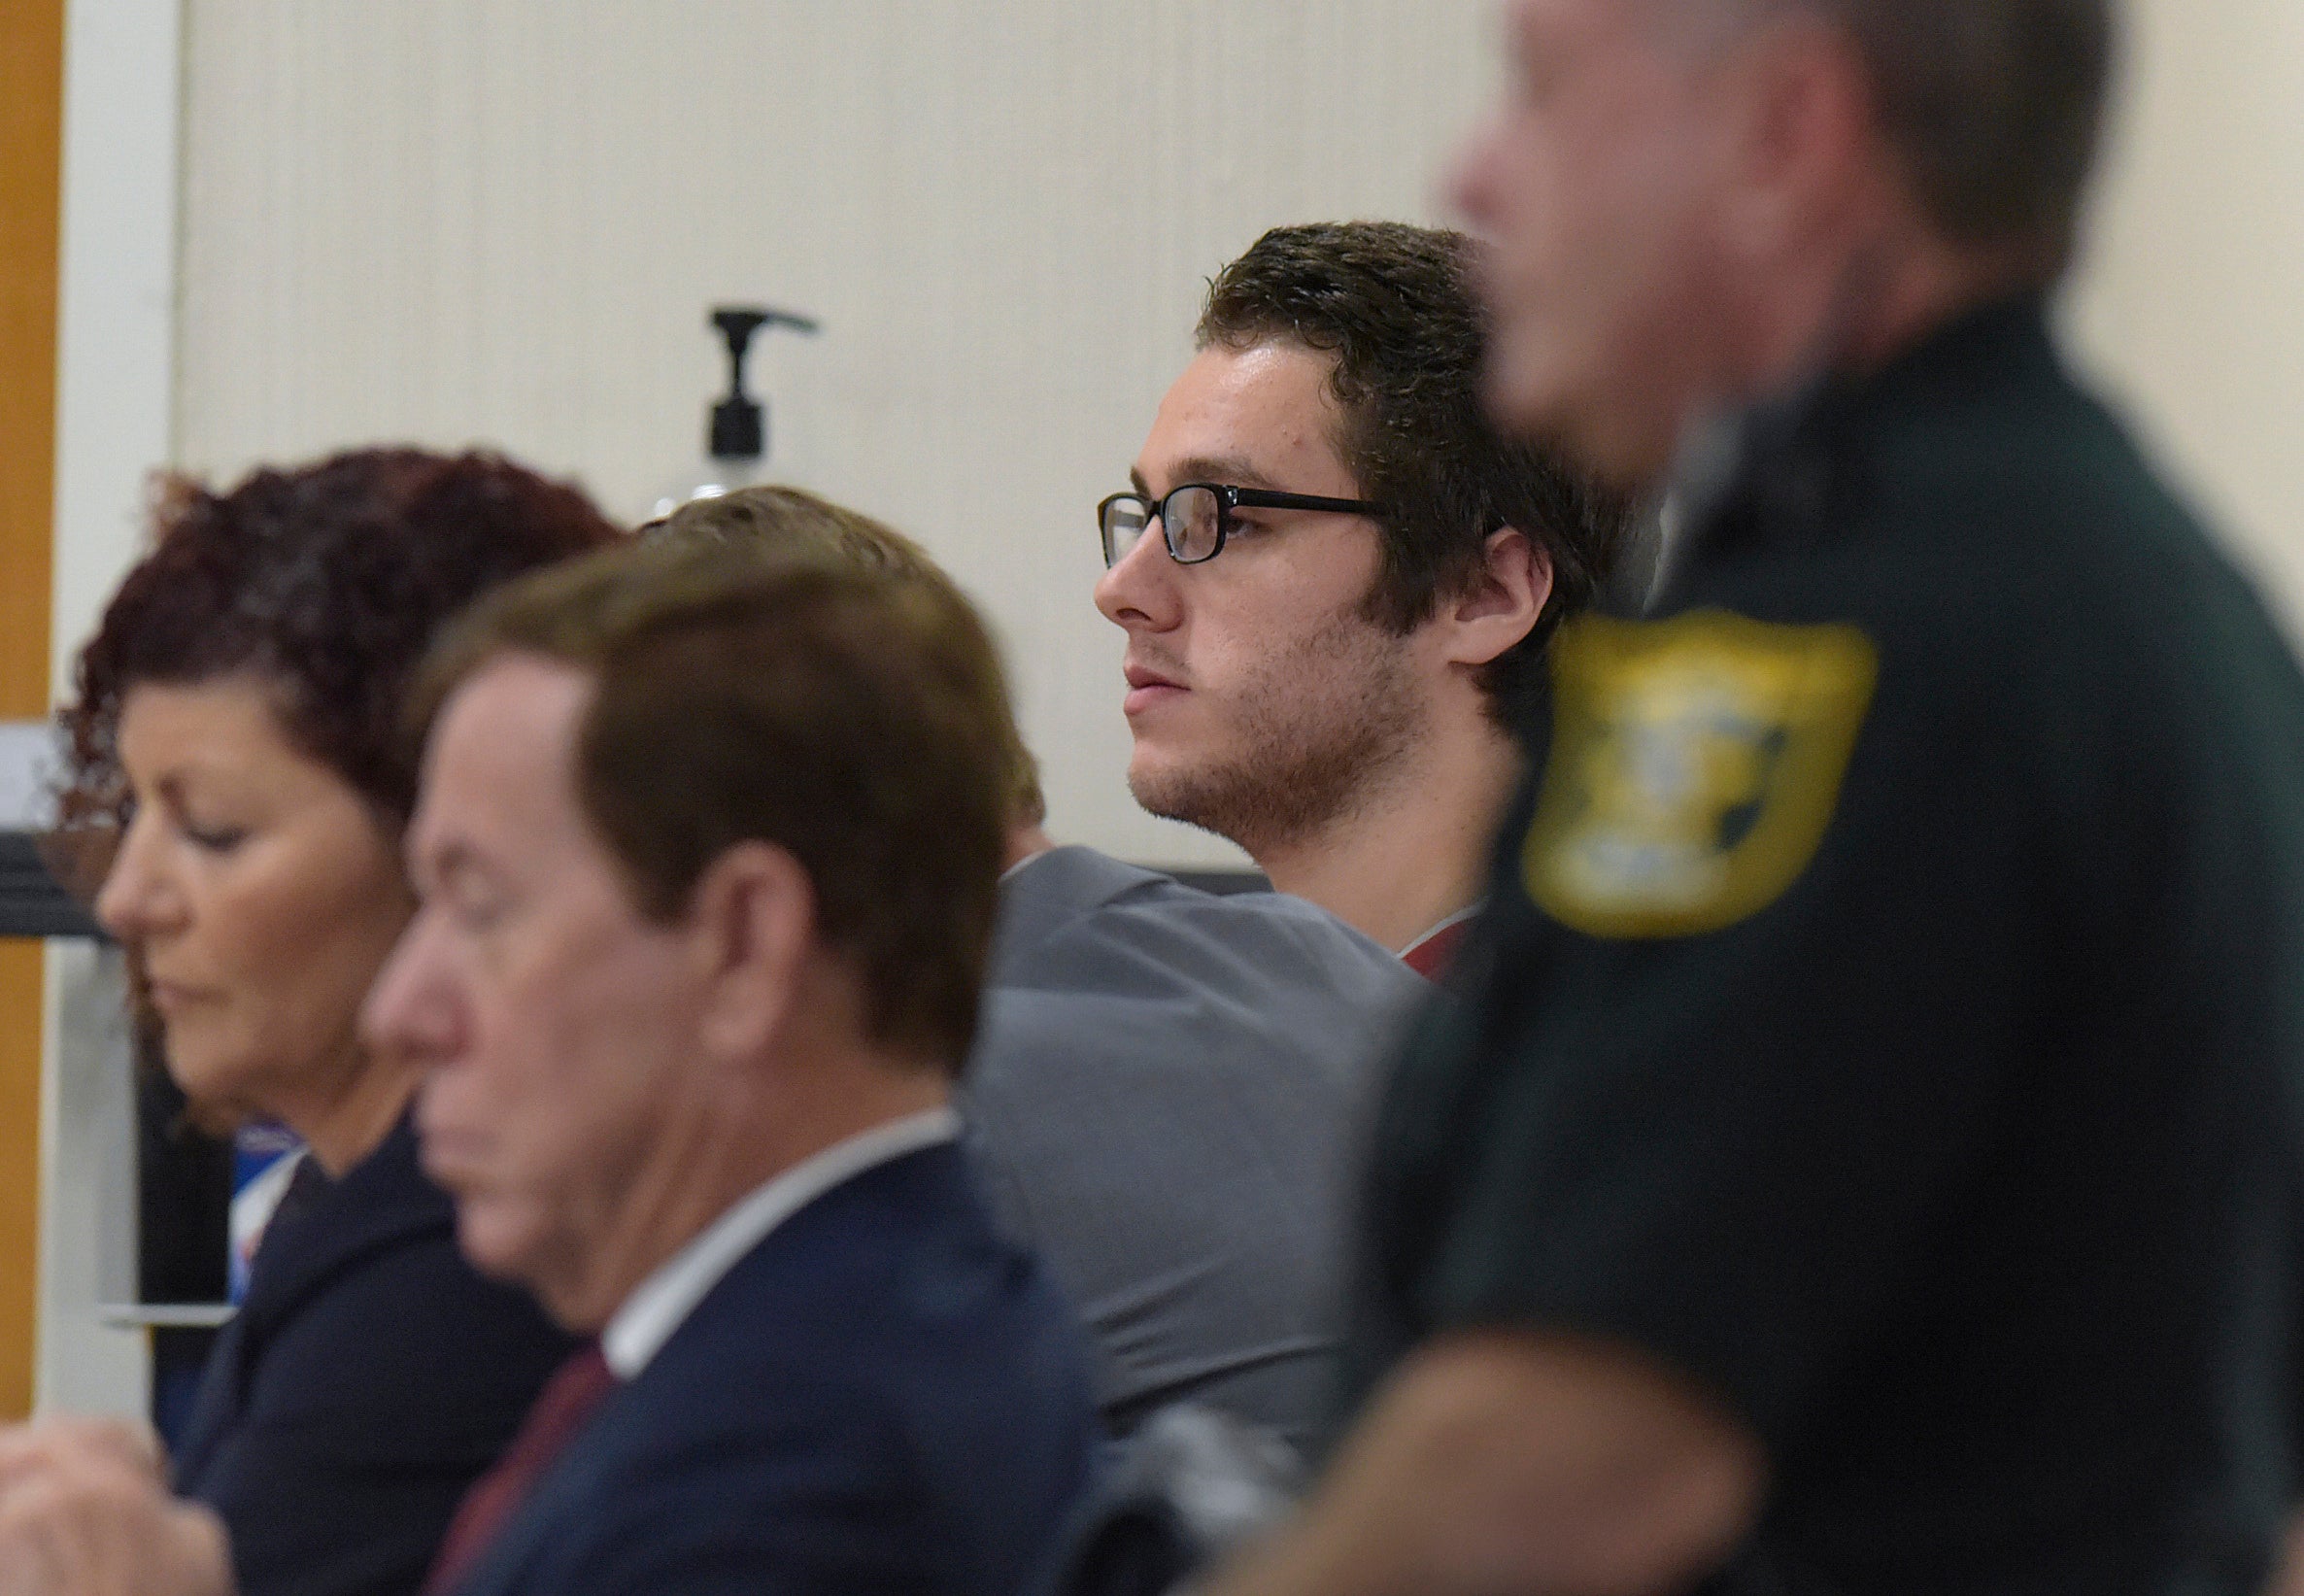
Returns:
(1432, 956)
(567, 1400)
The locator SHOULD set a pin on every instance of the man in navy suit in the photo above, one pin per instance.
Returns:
(709, 853)
(708, 850)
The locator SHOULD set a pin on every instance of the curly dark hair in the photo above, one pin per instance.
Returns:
(325, 582)
(1398, 307)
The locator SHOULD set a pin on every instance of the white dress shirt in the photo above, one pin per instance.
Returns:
(663, 1302)
(1437, 927)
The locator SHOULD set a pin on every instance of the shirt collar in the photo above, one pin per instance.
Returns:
(1022, 865)
(1438, 926)
(1767, 469)
(663, 1302)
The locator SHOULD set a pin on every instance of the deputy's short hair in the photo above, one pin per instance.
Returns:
(851, 717)
(1996, 108)
(775, 518)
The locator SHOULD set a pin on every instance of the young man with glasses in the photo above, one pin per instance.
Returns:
(1338, 629)
(1166, 1083)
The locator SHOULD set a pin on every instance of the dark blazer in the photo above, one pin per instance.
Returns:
(1167, 1094)
(881, 1397)
(370, 1376)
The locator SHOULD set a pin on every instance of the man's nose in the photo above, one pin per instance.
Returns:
(1140, 589)
(410, 1008)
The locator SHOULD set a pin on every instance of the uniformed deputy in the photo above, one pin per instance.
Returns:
(1861, 1163)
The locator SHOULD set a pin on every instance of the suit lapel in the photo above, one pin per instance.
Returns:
(381, 1202)
(580, 1475)
(772, 1290)
(215, 1407)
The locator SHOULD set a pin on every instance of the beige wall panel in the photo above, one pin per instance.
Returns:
(502, 220)
(114, 384)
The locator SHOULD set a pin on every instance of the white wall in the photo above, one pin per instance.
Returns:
(2192, 302)
(115, 382)
(502, 220)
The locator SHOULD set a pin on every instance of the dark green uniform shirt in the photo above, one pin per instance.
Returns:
(1886, 1008)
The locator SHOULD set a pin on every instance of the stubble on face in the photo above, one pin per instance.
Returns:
(1320, 730)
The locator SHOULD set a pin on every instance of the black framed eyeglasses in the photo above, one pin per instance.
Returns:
(1196, 518)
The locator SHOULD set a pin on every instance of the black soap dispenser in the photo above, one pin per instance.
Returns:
(736, 435)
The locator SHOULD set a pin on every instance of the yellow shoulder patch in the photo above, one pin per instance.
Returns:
(1695, 763)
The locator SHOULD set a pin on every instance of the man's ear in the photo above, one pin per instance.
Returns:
(752, 922)
(1805, 138)
(1502, 605)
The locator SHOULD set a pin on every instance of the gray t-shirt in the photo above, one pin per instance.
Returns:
(1166, 1099)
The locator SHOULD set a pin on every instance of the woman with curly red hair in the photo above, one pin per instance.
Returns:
(236, 738)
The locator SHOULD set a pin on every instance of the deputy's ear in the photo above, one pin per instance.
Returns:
(1803, 128)
(1504, 602)
(751, 924)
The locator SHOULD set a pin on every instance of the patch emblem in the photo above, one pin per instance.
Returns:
(1695, 763)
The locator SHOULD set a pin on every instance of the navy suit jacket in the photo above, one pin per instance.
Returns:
(881, 1397)
(370, 1376)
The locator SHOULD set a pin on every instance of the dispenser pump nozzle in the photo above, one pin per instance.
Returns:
(740, 423)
